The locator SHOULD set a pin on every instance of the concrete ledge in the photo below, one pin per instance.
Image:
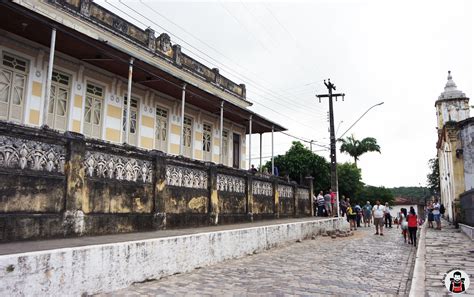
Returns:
(468, 230)
(107, 267)
(419, 271)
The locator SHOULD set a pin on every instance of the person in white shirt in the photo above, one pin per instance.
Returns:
(378, 214)
(437, 214)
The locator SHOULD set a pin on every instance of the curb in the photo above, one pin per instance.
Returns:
(418, 281)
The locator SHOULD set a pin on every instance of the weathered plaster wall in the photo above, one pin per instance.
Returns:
(103, 268)
(62, 184)
(467, 139)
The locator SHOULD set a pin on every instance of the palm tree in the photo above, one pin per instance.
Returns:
(355, 148)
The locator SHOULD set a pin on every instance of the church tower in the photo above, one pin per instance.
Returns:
(452, 105)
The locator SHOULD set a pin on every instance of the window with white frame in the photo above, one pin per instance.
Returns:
(207, 141)
(187, 136)
(13, 79)
(132, 135)
(187, 131)
(225, 147)
(58, 101)
(93, 110)
(161, 129)
(206, 137)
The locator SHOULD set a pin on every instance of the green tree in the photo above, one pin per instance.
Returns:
(350, 179)
(355, 148)
(433, 176)
(372, 194)
(299, 162)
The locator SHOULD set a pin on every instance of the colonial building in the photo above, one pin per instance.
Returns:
(106, 128)
(71, 65)
(455, 152)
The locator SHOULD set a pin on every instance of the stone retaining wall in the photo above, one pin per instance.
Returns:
(61, 184)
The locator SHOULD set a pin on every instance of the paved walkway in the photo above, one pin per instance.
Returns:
(446, 250)
(363, 264)
(50, 244)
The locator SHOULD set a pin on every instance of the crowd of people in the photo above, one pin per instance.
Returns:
(378, 215)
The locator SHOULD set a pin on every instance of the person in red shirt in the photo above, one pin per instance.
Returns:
(333, 202)
(412, 220)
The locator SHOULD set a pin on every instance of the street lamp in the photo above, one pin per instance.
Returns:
(378, 104)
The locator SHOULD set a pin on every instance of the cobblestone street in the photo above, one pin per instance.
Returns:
(363, 264)
(446, 250)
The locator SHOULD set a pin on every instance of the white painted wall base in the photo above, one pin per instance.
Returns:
(108, 267)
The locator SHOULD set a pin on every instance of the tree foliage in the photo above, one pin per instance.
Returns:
(350, 179)
(355, 148)
(299, 162)
(372, 194)
(413, 193)
(433, 176)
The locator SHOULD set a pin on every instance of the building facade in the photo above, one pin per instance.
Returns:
(455, 149)
(94, 52)
(106, 127)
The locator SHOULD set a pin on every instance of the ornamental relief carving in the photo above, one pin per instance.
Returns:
(285, 191)
(29, 154)
(302, 194)
(104, 165)
(262, 188)
(229, 183)
(186, 177)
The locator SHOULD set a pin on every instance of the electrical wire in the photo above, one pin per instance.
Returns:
(250, 81)
(311, 115)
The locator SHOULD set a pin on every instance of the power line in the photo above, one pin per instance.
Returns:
(237, 74)
(203, 59)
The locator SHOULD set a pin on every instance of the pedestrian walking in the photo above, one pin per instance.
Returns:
(343, 206)
(320, 203)
(437, 214)
(327, 203)
(387, 216)
(378, 213)
(402, 222)
(315, 205)
(358, 211)
(351, 217)
(367, 213)
(430, 215)
(412, 225)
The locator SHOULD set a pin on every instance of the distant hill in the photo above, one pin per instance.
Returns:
(415, 194)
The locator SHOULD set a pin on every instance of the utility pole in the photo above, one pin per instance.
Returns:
(334, 182)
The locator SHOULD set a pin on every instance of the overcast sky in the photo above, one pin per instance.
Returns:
(397, 52)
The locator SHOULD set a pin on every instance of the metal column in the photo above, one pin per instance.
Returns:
(221, 145)
(261, 152)
(49, 78)
(129, 99)
(273, 159)
(250, 142)
(181, 139)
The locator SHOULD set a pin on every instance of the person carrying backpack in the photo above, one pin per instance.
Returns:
(442, 210)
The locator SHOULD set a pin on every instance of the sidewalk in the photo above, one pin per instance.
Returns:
(87, 266)
(447, 249)
(50, 244)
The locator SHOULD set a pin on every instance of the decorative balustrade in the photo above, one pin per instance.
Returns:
(29, 154)
(229, 183)
(103, 165)
(285, 191)
(179, 176)
(262, 188)
(302, 194)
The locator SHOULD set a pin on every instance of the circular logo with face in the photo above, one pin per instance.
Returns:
(456, 281)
